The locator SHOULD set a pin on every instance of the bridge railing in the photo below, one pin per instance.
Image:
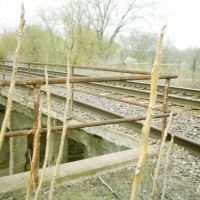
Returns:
(54, 66)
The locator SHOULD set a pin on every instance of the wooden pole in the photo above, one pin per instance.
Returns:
(84, 125)
(146, 126)
(90, 68)
(11, 159)
(36, 147)
(72, 90)
(166, 170)
(64, 131)
(37, 96)
(46, 159)
(13, 79)
(84, 79)
(157, 169)
(165, 105)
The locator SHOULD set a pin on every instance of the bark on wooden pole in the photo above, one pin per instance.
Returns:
(13, 79)
(36, 145)
(146, 126)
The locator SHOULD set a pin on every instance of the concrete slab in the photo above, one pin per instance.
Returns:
(76, 171)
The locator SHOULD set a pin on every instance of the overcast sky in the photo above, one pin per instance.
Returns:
(183, 25)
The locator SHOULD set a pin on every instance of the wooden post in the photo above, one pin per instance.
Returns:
(36, 137)
(35, 161)
(46, 159)
(165, 105)
(11, 159)
(158, 164)
(64, 130)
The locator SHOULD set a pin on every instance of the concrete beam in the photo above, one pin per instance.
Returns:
(76, 171)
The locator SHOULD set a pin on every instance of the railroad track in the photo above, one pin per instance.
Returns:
(186, 97)
(191, 145)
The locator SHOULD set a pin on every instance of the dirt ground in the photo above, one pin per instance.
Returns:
(180, 186)
(94, 189)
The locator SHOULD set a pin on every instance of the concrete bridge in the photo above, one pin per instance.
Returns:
(90, 144)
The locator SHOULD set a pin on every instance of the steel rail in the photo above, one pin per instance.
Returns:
(84, 67)
(174, 99)
(172, 89)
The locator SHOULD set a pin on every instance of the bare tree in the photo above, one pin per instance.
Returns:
(112, 16)
(54, 46)
(139, 45)
(101, 19)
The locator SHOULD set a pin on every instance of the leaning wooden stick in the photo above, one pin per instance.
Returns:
(48, 134)
(35, 151)
(166, 167)
(146, 126)
(64, 131)
(13, 79)
(11, 160)
(157, 170)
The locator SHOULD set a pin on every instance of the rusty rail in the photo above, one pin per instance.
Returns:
(84, 125)
(41, 81)
(86, 67)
